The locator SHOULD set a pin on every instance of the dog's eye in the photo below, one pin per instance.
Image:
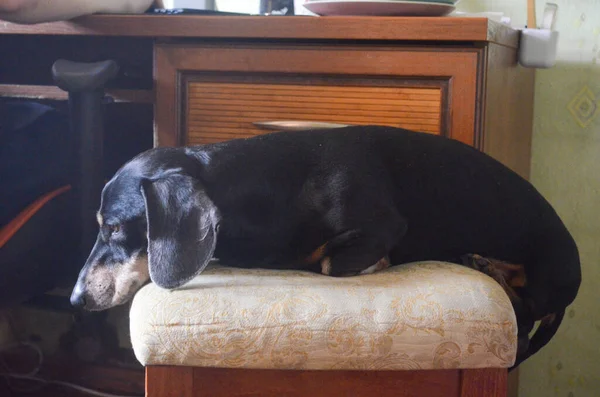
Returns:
(114, 228)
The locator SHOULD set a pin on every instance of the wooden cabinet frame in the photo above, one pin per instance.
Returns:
(457, 71)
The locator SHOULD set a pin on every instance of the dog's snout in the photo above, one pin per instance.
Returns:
(78, 298)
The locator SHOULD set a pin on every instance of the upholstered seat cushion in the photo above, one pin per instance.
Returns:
(417, 316)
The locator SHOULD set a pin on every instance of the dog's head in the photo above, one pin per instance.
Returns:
(155, 223)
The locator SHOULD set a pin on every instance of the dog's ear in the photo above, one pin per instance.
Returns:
(182, 235)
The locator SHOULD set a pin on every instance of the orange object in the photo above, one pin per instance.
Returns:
(531, 21)
(12, 227)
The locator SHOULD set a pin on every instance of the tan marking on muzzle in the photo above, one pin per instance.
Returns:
(99, 219)
(132, 275)
(112, 286)
(99, 286)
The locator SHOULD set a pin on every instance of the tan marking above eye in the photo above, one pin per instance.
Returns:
(99, 219)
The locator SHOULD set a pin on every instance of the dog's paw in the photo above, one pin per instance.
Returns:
(477, 262)
(510, 276)
(381, 264)
(327, 270)
(326, 266)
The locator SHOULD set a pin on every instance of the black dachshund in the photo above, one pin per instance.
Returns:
(342, 202)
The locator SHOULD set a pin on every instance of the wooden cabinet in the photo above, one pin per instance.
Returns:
(474, 92)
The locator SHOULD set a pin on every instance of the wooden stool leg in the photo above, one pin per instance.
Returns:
(487, 382)
(169, 381)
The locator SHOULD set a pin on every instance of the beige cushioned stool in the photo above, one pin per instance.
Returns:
(420, 316)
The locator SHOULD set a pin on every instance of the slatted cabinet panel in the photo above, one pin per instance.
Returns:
(221, 111)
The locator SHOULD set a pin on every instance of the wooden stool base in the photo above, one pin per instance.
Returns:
(172, 381)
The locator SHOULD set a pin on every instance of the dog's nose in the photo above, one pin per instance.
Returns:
(78, 298)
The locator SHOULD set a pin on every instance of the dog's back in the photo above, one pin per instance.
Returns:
(455, 198)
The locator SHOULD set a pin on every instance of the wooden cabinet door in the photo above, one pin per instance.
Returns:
(210, 93)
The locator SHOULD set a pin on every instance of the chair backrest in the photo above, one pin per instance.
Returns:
(85, 84)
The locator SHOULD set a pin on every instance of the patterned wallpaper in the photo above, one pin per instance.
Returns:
(566, 169)
(584, 107)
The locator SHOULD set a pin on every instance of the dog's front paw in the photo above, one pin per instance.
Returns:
(381, 264)
(477, 262)
(326, 268)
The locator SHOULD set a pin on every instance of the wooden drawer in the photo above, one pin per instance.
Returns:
(211, 93)
(222, 110)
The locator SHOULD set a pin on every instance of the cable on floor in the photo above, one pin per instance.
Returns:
(67, 385)
(31, 376)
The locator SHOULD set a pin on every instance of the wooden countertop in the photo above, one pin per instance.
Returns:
(436, 29)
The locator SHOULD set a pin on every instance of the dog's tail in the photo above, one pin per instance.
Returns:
(543, 334)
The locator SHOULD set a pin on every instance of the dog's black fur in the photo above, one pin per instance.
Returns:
(271, 200)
